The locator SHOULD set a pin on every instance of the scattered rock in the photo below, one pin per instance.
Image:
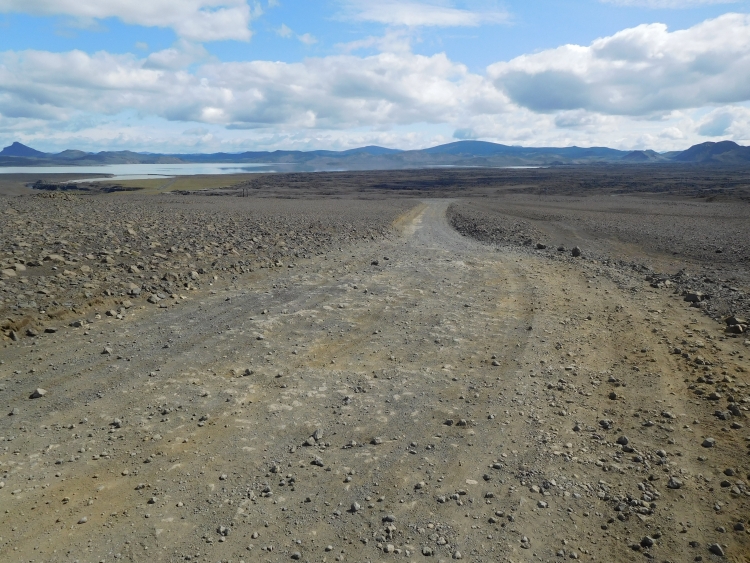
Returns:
(674, 483)
(709, 443)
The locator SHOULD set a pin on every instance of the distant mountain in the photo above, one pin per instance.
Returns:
(371, 150)
(71, 155)
(288, 157)
(483, 148)
(17, 149)
(644, 157)
(459, 153)
(724, 152)
(473, 148)
(127, 157)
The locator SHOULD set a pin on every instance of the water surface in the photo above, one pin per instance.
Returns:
(143, 171)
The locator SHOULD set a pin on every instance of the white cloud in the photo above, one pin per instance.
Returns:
(667, 4)
(180, 55)
(730, 121)
(638, 71)
(195, 20)
(412, 13)
(284, 31)
(327, 93)
(307, 39)
(393, 41)
(580, 119)
(717, 124)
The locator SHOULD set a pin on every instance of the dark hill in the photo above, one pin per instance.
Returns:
(724, 152)
(17, 149)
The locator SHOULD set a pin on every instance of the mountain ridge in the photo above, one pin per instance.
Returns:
(459, 153)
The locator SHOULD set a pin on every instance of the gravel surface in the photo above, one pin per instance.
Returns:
(420, 396)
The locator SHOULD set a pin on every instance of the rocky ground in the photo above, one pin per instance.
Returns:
(64, 256)
(406, 394)
(695, 248)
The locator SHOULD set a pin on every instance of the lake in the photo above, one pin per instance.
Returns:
(145, 171)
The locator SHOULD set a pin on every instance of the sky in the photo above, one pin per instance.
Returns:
(197, 76)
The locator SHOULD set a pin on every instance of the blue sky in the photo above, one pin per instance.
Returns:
(233, 75)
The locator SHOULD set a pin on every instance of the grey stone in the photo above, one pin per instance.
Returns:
(709, 443)
(674, 483)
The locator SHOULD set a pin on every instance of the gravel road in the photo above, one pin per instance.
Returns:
(424, 397)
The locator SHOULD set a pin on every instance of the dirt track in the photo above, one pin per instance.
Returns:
(541, 366)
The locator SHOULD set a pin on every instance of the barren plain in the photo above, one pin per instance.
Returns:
(397, 372)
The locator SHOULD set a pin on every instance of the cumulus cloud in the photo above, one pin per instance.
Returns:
(195, 20)
(332, 92)
(716, 125)
(731, 121)
(638, 71)
(411, 13)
